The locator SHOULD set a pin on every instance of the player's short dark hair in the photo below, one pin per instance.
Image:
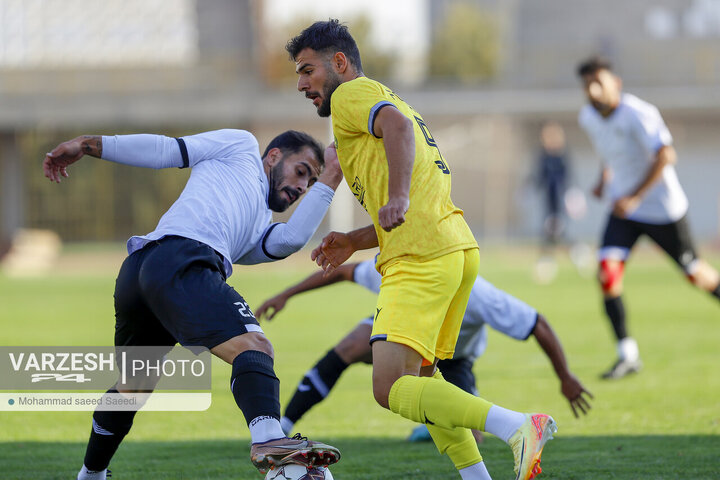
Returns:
(326, 37)
(593, 65)
(293, 141)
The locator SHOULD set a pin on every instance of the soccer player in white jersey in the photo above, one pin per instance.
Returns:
(638, 177)
(172, 286)
(487, 305)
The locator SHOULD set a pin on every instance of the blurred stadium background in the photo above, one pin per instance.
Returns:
(485, 74)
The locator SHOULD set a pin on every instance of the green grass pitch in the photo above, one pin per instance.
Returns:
(661, 424)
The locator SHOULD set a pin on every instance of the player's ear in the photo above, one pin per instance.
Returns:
(340, 62)
(274, 155)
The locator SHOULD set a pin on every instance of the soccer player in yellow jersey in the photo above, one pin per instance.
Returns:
(428, 255)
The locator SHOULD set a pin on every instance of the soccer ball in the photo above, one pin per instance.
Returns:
(294, 471)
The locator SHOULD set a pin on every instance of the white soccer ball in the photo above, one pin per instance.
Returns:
(294, 471)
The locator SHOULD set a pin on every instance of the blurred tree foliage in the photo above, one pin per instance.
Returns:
(278, 70)
(465, 45)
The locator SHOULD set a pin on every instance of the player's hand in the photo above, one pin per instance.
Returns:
(576, 394)
(332, 174)
(271, 307)
(597, 191)
(56, 162)
(333, 251)
(625, 206)
(392, 215)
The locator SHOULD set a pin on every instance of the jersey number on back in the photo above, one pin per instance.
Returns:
(431, 141)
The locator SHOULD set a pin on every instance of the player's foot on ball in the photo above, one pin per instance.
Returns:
(297, 449)
(622, 368)
(528, 442)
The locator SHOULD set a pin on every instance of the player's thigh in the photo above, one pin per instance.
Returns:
(355, 346)
(450, 330)
(184, 283)
(135, 323)
(618, 239)
(674, 238)
(414, 300)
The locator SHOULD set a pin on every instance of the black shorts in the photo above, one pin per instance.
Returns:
(621, 234)
(173, 290)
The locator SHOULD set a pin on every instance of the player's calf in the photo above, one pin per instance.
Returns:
(704, 276)
(108, 430)
(313, 388)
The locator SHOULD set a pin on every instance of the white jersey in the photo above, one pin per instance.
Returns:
(627, 142)
(224, 203)
(487, 305)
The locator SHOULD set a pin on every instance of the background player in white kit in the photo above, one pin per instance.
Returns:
(486, 305)
(172, 286)
(638, 177)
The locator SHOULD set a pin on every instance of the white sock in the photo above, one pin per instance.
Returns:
(628, 349)
(475, 472)
(287, 425)
(502, 422)
(265, 428)
(86, 474)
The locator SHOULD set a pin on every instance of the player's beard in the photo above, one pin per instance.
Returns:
(276, 201)
(333, 81)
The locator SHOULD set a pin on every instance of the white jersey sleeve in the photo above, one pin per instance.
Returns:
(283, 239)
(500, 310)
(649, 127)
(366, 275)
(142, 150)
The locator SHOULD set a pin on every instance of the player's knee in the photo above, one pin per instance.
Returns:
(230, 349)
(610, 276)
(351, 350)
(355, 347)
(381, 392)
(702, 275)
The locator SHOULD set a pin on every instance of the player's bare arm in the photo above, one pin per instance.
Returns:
(337, 247)
(571, 387)
(398, 137)
(602, 181)
(56, 162)
(666, 155)
(272, 306)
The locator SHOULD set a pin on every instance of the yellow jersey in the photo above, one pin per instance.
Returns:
(433, 226)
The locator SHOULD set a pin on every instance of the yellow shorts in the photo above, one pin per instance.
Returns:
(422, 304)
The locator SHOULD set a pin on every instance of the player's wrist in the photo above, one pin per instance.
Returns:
(331, 178)
(90, 145)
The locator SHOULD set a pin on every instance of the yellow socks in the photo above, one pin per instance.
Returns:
(448, 411)
(436, 402)
(458, 443)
